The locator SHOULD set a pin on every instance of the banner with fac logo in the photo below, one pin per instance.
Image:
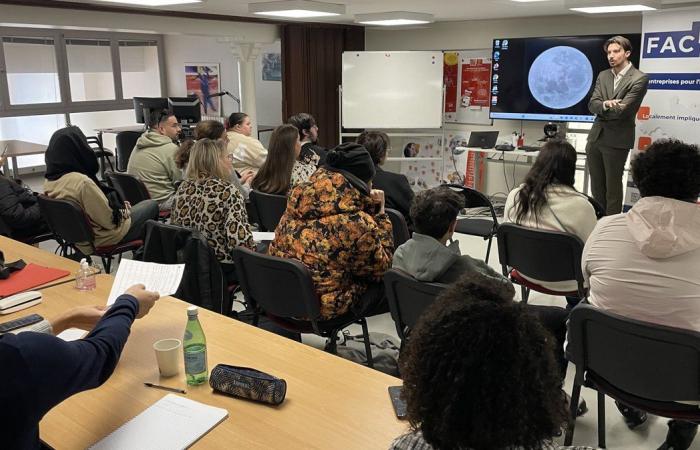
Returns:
(670, 55)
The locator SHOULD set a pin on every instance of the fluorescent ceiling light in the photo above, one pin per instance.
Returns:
(611, 6)
(394, 18)
(296, 9)
(153, 2)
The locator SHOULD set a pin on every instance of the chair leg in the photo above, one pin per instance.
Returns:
(601, 420)
(524, 293)
(332, 344)
(488, 249)
(368, 348)
(107, 263)
(573, 407)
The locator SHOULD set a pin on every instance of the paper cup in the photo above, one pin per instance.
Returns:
(168, 354)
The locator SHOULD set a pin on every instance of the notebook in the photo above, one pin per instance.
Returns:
(173, 422)
(31, 276)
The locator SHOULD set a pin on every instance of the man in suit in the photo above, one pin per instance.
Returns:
(617, 95)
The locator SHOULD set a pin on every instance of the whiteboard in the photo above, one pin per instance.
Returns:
(392, 89)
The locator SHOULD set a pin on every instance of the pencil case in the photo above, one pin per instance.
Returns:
(251, 384)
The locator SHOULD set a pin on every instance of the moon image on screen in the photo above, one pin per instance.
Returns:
(560, 77)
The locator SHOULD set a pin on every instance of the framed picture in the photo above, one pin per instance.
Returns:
(202, 80)
(272, 67)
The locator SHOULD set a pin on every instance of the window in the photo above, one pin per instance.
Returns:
(31, 70)
(90, 69)
(90, 121)
(140, 68)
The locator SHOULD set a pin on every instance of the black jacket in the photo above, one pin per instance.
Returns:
(398, 194)
(19, 209)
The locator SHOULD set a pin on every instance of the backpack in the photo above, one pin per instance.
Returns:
(385, 351)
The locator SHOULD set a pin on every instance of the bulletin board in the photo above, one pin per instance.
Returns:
(467, 79)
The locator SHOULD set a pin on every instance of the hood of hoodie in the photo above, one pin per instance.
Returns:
(326, 194)
(664, 227)
(151, 139)
(424, 257)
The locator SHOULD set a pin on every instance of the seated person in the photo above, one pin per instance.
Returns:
(212, 129)
(395, 185)
(207, 201)
(248, 152)
(548, 200)
(71, 174)
(282, 170)
(308, 133)
(335, 225)
(153, 159)
(39, 371)
(643, 264)
(479, 373)
(19, 209)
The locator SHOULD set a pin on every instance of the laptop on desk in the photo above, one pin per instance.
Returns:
(482, 139)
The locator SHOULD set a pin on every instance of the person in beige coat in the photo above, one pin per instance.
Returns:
(248, 153)
(153, 159)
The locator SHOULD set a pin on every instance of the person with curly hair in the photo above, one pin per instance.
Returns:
(479, 373)
(644, 264)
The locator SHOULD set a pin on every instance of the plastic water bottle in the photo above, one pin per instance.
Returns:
(195, 347)
(85, 278)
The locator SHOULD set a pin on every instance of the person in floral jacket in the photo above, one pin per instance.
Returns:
(336, 226)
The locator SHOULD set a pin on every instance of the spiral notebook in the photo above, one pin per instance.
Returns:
(173, 422)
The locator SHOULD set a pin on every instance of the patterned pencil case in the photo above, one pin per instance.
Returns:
(248, 383)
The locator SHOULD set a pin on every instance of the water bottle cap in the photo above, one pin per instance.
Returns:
(83, 263)
(192, 311)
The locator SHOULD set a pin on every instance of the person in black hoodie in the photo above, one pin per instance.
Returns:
(19, 210)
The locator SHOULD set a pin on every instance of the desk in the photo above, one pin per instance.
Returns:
(17, 148)
(14, 250)
(331, 403)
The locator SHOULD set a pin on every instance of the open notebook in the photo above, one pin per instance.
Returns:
(173, 422)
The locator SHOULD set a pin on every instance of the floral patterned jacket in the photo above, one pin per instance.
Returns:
(327, 227)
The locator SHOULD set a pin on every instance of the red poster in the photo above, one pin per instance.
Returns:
(450, 73)
(475, 83)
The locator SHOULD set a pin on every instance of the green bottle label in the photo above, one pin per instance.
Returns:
(195, 359)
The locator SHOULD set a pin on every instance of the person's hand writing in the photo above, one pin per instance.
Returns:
(146, 299)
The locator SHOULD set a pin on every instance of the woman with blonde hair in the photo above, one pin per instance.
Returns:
(206, 201)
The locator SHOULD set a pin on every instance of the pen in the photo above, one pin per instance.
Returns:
(166, 388)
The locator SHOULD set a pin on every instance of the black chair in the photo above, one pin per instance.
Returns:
(408, 298)
(399, 228)
(484, 228)
(71, 226)
(131, 189)
(643, 365)
(126, 141)
(283, 290)
(540, 254)
(6, 231)
(599, 211)
(103, 155)
(269, 209)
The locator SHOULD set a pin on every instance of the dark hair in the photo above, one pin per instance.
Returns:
(275, 175)
(210, 129)
(376, 143)
(236, 118)
(556, 164)
(479, 372)
(433, 210)
(160, 116)
(619, 40)
(302, 122)
(668, 168)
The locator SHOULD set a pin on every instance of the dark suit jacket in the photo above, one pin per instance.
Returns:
(397, 192)
(615, 127)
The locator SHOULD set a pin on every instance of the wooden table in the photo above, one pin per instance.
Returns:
(17, 148)
(14, 250)
(331, 403)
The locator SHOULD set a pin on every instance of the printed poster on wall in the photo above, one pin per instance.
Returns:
(670, 55)
(422, 174)
(202, 80)
(467, 75)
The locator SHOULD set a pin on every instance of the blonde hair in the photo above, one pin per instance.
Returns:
(205, 160)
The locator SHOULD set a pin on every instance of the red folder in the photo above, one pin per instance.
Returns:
(29, 277)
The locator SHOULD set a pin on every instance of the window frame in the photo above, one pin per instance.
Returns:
(67, 106)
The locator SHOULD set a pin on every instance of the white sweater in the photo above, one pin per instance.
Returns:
(248, 153)
(566, 210)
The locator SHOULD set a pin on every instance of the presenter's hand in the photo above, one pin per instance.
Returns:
(609, 104)
(146, 299)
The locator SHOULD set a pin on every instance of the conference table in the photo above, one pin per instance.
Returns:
(17, 148)
(331, 402)
(14, 250)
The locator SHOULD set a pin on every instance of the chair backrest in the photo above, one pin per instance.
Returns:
(408, 298)
(269, 207)
(66, 220)
(642, 359)
(281, 287)
(95, 143)
(128, 186)
(399, 227)
(474, 199)
(126, 141)
(599, 210)
(203, 281)
(541, 254)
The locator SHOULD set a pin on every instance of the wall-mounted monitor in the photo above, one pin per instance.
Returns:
(548, 78)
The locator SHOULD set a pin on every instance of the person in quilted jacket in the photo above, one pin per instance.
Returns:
(335, 224)
(19, 209)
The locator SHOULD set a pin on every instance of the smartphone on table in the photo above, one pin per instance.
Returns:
(396, 400)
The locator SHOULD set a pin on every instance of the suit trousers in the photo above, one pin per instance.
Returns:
(606, 166)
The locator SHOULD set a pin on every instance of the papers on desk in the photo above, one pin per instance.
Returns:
(161, 278)
(72, 334)
(173, 422)
(262, 236)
